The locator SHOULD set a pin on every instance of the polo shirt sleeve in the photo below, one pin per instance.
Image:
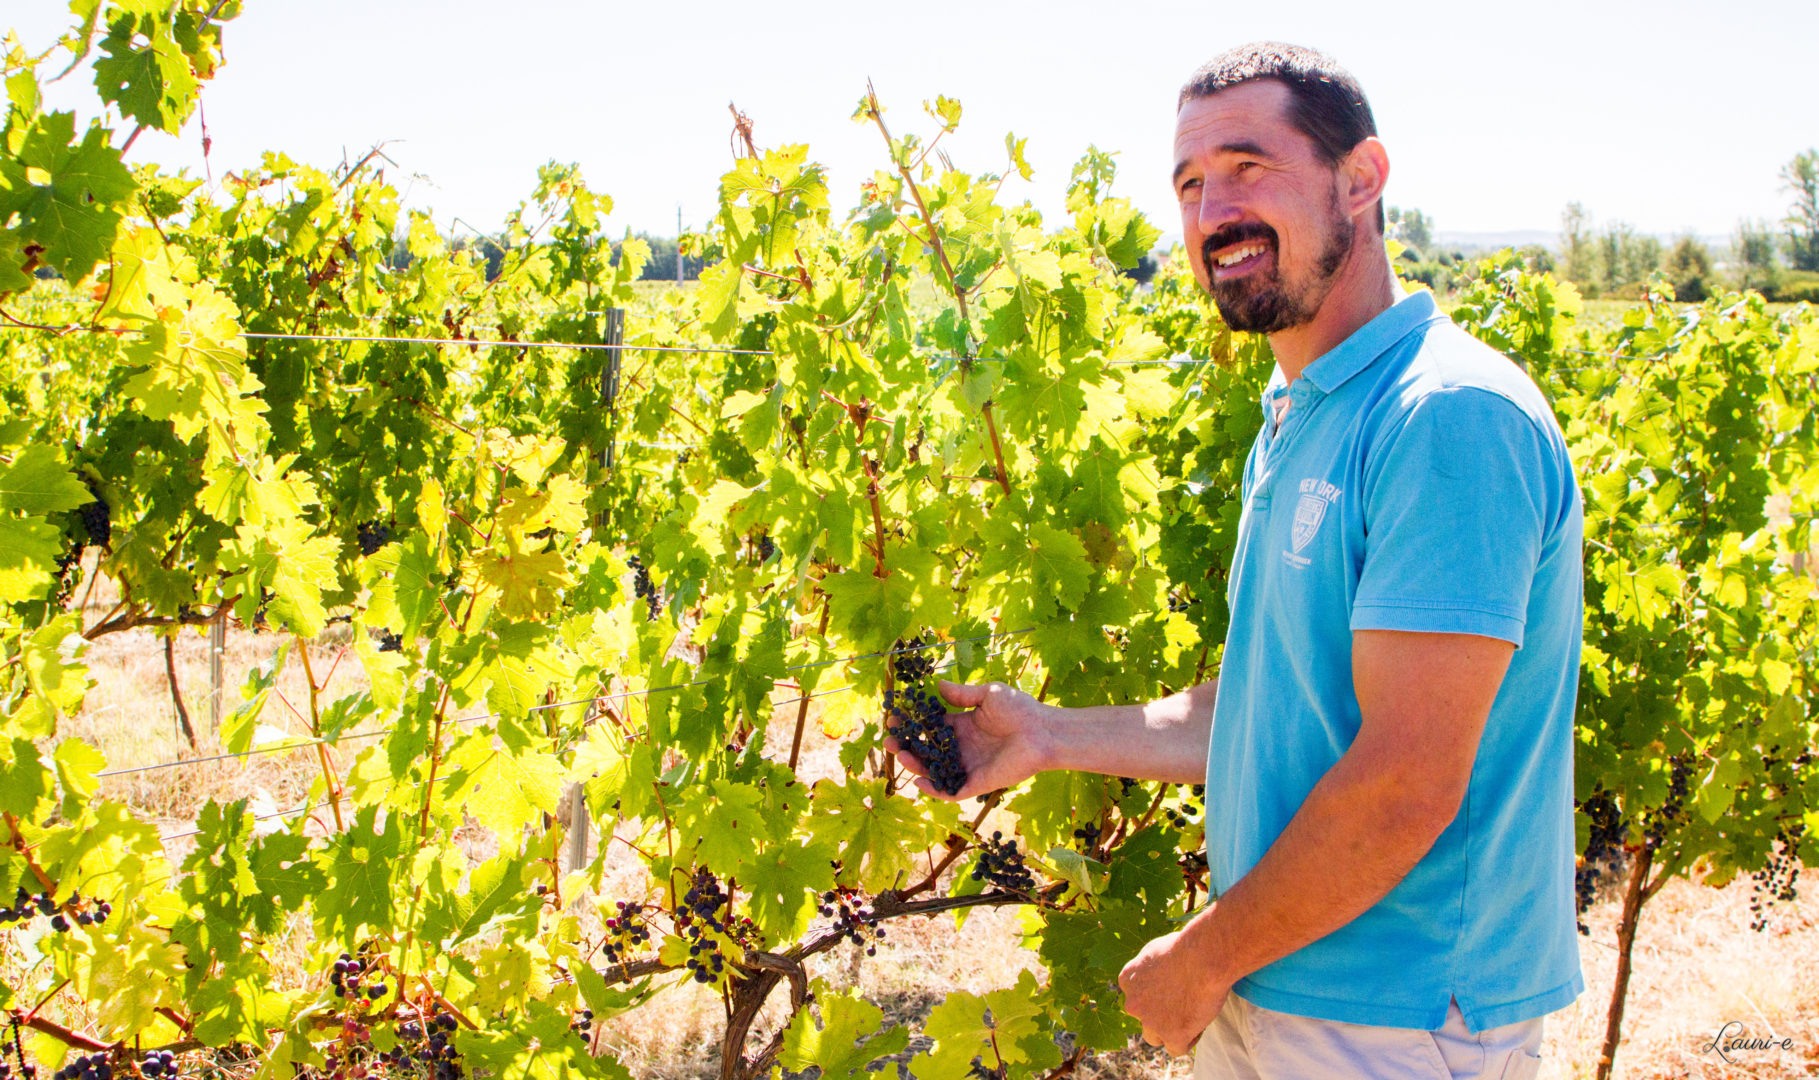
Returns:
(1457, 508)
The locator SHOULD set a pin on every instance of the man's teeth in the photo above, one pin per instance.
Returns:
(1238, 255)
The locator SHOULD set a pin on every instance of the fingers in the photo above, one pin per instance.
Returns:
(909, 762)
(963, 695)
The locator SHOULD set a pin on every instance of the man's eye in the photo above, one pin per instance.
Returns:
(1188, 185)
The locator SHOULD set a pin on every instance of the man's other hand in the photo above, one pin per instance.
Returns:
(1005, 738)
(1169, 990)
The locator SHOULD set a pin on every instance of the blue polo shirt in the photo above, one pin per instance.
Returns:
(1418, 482)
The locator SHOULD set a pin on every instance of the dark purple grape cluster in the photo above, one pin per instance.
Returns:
(1191, 808)
(97, 521)
(349, 978)
(1088, 835)
(919, 721)
(158, 1063)
(1673, 808)
(72, 913)
(1603, 850)
(26, 905)
(582, 1023)
(701, 911)
(86, 1067)
(67, 564)
(913, 661)
(390, 642)
(643, 586)
(852, 918)
(1001, 864)
(627, 930)
(1779, 876)
(372, 535)
(26, 1070)
(428, 1043)
(1126, 785)
(765, 547)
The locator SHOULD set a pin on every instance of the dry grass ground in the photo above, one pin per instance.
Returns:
(1698, 966)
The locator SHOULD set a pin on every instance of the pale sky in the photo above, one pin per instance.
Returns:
(1672, 116)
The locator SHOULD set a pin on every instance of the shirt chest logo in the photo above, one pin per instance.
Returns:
(1310, 511)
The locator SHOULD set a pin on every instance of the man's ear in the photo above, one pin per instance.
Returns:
(1364, 174)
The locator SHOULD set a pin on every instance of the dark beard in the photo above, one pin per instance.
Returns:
(1255, 305)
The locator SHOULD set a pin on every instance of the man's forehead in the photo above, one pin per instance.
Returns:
(1255, 112)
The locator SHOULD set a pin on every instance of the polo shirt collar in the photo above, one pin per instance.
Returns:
(1371, 340)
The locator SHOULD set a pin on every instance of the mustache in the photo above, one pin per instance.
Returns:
(1235, 234)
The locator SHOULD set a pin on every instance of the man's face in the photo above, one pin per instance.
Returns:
(1260, 210)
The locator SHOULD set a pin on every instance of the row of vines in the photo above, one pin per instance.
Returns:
(932, 431)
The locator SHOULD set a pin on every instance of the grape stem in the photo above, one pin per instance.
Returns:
(795, 748)
(871, 493)
(170, 671)
(67, 1036)
(991, 427)
(45, 881)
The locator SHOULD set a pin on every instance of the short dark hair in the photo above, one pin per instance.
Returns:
(1326, 102)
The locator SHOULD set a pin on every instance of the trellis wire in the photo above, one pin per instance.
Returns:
(718, 350)
(305, 744)
(306, 807)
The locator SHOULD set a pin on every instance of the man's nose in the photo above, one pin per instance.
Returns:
(1217, 209)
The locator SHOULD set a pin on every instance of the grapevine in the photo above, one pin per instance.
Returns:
(932, 426)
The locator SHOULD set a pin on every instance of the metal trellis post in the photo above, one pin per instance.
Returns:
(217, 648)
(609, 379)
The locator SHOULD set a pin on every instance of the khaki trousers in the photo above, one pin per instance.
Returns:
(1247, 1042)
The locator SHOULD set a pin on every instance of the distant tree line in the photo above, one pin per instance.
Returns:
(1615, 261)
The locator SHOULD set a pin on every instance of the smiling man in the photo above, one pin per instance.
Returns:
(1388, 748)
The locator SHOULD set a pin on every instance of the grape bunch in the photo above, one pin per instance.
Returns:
(1001, 864)
(1778, 877)
(1673, 808)
(643, 586)
(701, 912)
(765, 547)
(372, 535)
(1126, 785)
(65, 575)
(912, 662)
(1603, 851)
(919, 721)
(158, 1063)
(27, 905)
(86, 1067)
(96, 517)
(1191, 808)
(1088, 835)
(348, 978)
(25, 1071)
(390, 642)
(628, 932)
(852, 918)
(582, 1023)
(428, 1043)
